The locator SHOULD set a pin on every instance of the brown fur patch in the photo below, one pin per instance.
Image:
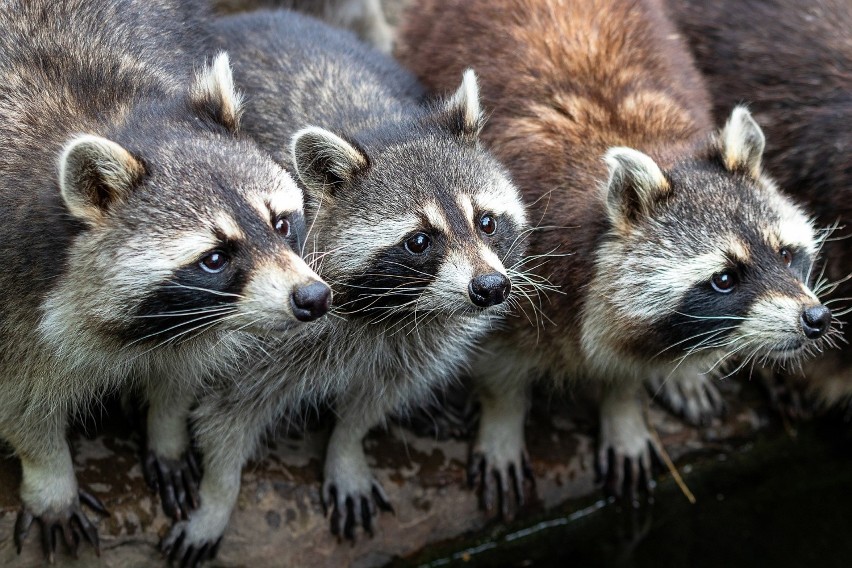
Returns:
(561, 83)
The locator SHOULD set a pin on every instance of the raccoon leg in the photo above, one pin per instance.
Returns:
(350, 493)
(50, 493)
(499, 463)
(624, 445)
(226, 439)
(169, 465)
(688, 394)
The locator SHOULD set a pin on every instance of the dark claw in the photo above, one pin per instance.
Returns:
(508, 485)
(625, 478)
(89, 531)
(368, 509)
(71, 523)
(475, 469)
(48, 540)
(22, 527)
(93, 502)
(382, 499)
(176, 481)
(346, 514)
(349, 523)
(173, 550)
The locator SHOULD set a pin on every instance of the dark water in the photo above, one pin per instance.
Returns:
(780, 502)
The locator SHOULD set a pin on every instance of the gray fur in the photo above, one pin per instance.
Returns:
(110, 168)
(364, 17)
(368, 360)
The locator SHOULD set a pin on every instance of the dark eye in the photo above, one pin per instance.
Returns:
(214, 262)
(487, 224)
(724, 282)
(282, 226)
(786, 256)
(418, 243)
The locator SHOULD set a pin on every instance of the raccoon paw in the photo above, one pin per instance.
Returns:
(692, 397)
(624, 456)
(501, 477)
(72, 522)
(349, 504)
(181, 547)
(176, 480)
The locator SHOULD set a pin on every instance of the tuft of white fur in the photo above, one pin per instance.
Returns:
(466, 98)
(743, 142)
(215, 82)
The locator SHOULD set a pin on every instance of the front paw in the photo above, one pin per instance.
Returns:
(501, 475)
(176, 480)
(71, 522)
(351, 501)
(625, 452)
(690, 396)
(184, 548)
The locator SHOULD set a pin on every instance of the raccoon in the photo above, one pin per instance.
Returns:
(416, 228)
(794, 71)
(366, 18)
(671, 248)
(143, 238)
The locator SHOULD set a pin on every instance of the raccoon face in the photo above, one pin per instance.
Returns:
(421, 222)
(705, 259)
(186, 230)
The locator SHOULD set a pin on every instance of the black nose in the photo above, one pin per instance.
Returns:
(489, 289)
(311, 301)
(815, 321)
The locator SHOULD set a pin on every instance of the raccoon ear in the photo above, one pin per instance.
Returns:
(324, 161)
(213, 93)
(95, 173)
(463, 109)
(635, 183)
(742, 143)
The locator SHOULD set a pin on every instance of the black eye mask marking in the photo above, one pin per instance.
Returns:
(190, 298)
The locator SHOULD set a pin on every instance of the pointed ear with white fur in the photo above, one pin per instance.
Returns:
(635, 184)
(213, 93)
(324, 161)
(742, 143)
(94, 174)
(463, 108)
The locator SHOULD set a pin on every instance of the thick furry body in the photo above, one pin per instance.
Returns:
(795, 73)
(120, 171)
(364, 17)
(387, 172)
(632, 239)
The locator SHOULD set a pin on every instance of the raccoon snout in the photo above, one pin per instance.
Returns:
(816, 321)
(489, 289)
(311, 301)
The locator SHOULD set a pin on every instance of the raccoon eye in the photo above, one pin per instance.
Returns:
(282, 226)
(214, 262)
(786, 256)
(723, 282)
(487, 224)
(418, 243)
